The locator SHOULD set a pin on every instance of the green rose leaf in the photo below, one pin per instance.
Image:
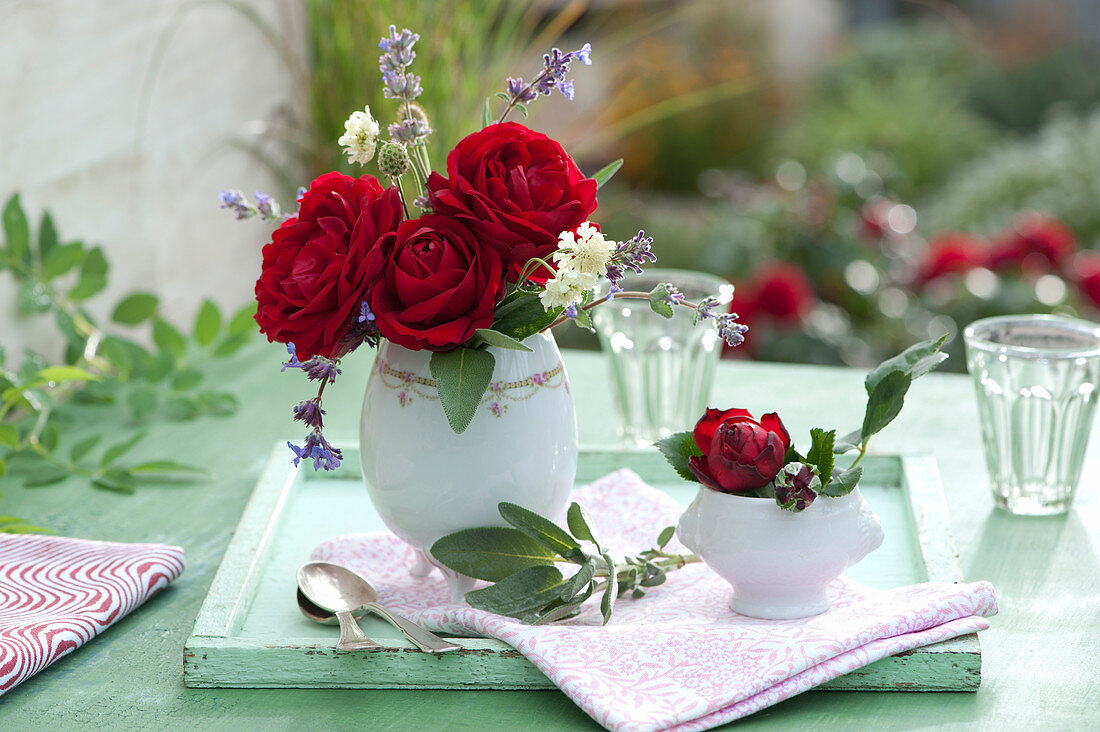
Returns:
(461, 376)
(496, 338)
(17, 232)
(9, 435)
(847, 443)
(47, 236)
(61, 374)
(243, 321)
(208, 322)
(93, 275)
(114, 452)
(542, 530)
(522, 317)
(136, 308)
(885, 402)
(843, 482)
(82, 448)
(187, 379)
(491, 553)
(607, 172)
(657, 301)
(677, 449)
(519, 594)
(821, 453)
(168, 339)
(916, 361)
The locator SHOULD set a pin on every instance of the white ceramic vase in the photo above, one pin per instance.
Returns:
(426, 481)
(779, 562)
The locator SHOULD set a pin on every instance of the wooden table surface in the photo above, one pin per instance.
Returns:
(1041, 657)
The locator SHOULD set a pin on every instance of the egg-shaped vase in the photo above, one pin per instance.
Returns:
(779, 562)
(426, 481)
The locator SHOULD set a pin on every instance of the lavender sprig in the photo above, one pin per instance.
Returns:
(632, 254)
(397, 56)
(555, 66)
(318, 449)
(266, 207)
(309, 411)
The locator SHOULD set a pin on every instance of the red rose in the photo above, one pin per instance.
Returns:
(782, 292)
(1036, 244)
(952, 254)
(739, 453)
(516, 189)
(433, 285)
(314, 269)
(1086, 271)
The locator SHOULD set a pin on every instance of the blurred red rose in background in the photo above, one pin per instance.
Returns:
(1035, 244)
(952, 253)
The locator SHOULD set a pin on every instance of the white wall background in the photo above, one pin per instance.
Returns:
(133, 160)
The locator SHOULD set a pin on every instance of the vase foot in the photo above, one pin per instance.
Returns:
(458, 584)
(423, 566)
(780, 605)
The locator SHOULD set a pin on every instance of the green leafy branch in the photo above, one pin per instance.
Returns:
(56, 277)
(816, 472)
(521, 560)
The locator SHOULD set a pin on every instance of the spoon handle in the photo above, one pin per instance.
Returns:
(352, 637)
(422, 638)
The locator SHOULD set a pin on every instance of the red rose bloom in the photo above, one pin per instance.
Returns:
(1036, 244)
(782, 292)
(516, 189)
(739, 453)
(952, 254)
(1086, 272)
(433, 285)
(314, 269)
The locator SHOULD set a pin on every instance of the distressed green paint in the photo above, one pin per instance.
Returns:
(1039, 671)
(248, 633)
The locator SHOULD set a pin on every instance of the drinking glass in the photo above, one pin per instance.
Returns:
(1036, 378)
(662, 369)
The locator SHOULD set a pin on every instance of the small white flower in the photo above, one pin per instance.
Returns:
(566, 287)
(360, 137)
(585, 251)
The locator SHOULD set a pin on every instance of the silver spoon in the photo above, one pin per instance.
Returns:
(358, 594)
(332, 591)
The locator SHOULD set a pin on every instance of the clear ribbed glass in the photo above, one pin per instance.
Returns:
(1036, 378)
(661, 369)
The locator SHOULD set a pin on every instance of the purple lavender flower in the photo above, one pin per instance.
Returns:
(409, 131)
(235, 201)
(672, 295)
(632, 255)
(320, 368)
(267, 207)
(318, 449)
(363, 329)
(310, 412)
(614, 289)
(365, 312)
(729, 330)
(301, 193)
(570, 310)
(293, 363)
(397, 56)
(422, 202)
(705, 309)
(518, 90)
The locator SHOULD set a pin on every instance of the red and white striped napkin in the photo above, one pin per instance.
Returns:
(56, 594)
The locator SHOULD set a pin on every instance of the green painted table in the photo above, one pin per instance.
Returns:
(1041, 657)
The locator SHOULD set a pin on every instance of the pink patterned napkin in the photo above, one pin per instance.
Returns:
(56, 594)
(678, 658)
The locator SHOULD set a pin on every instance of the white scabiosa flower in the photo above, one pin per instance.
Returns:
(565, 288)
(585, 250)
(360, 137)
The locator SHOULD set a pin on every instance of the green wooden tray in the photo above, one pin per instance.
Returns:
(249, 632)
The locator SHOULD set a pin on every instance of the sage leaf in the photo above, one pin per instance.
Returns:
(491, 553)
(17, 231)
(208, 322)
(665, 536)
(820, 454)
(677, 449)
(523, 317)
(526, 591)
(607, 603)
(916, 361)
(843, 482)
(607, 172)
(136, 308)
(578, 582)
(540, 529)
(498, 339)
(885, 402)
(461, 376)
(658, 302)
(580, 523)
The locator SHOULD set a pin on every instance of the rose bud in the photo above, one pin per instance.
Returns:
(795, 486)
(739, 453)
